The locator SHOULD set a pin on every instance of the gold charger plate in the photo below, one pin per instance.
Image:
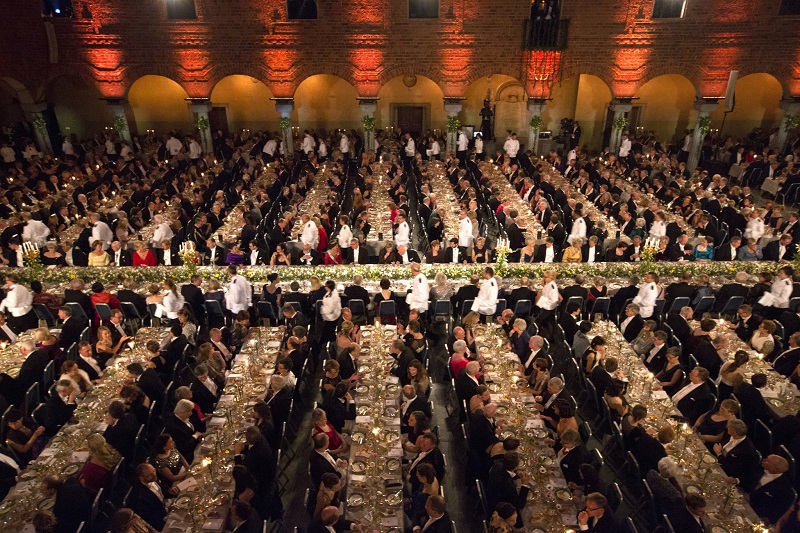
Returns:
(182, 502)
(693, 489)
(392, 465)
(45, 504)
(260, 387)
(563, 495)
(502, 410)
(362, 369)
(506, 434)
(775, 402)
(716, 528)
(358, 467)
(355, 500)
(391, 387)
(358, 437)
(394, 498)
(72, 469)
(362, 389)
(362, 409)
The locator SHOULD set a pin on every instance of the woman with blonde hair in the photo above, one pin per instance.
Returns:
(96, 472)
(572, 253)
(155, 296)
(104, 348)
(441, 290)
(98, 257)
(79, 378)
(346, 339)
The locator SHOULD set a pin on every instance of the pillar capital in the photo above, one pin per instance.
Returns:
(706, 106)
(368, 106)
(30, 109)
(790, 106)
(536, 105)
(284, 106)
(453, 104)
(621, 105)
(200, 105)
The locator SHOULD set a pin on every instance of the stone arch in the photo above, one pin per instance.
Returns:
(159, 103)
(506, 69)
(507, 98)
(325, 102)
(78, 105)
(591, 108)
(246, 101)
(666, 105)
(429, 71)
(424, 93)
(757, 105)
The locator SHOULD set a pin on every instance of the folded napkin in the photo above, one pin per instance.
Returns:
(361, 419)
(358, 478)
(558, 483)
(390, 521)
(217, 421)
(769, 393)
(534, 423)
(660, 395)
(187, 484)
(214, 524)
(226, 398)
(79, 457)
(569, 519)
(393, 380)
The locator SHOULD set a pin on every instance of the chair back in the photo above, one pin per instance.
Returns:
(31, 398)
(44, 314)
(357, 307)
(705, 305)
(678, 303)
(76, 309)
(602, 306)
(522, 308)
(103, 311)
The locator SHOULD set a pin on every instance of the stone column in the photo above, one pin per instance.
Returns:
(368, 107)
(200, 109)
(704, 107)
(285, 106)
(35, 114)
(119, 108)
(453, 107)
(619, 106)
(790, 108)
(535, 109)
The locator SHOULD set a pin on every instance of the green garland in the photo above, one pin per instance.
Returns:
(792, 121)
(620, 123)
(115, 275)
(536, 122)
(285, 123)
(453, 124)
(39, 123)
(368, 123)
(202, 123)
(120, 124)
(704, 125)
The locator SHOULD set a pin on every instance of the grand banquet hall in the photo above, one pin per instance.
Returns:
(571, 302)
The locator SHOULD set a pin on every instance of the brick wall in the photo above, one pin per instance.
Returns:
(111, 43)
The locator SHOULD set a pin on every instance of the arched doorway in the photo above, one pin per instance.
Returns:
(78, 106)
(11, 101)
(757, 103)
(507, 99)
(411, 102)
(666, 106)
(242, 102)
(325, 102)
(591, 105)
(160, 104)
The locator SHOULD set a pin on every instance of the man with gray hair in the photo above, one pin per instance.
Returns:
(279, 399)
(535, 344)
(467, 382)
(739, 457)
(100, 231)
(59, 407)
(356, 291)
(633, 323)
(729, 290)
(181, 430)
(665, 487)
(695, 398)
(30, 372)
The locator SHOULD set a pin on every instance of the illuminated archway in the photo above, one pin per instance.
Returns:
(758, 96)
(667, 106)
(412, 91)
(247, 103)
(78, 106)
(508, 101)
(159, 103)
(591, 106)
(12, 95)
(325, 102)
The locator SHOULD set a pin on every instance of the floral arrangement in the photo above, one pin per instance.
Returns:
(202, 123)
(704, 125)
(39, 123)
(285, 123)
(501, 252)
(620, 123)
(649, 251)
(116, 275)
(792, 121)
(453, 123)
(368, 123)
(536, 122)
(190, 257)
(120, 124)
(32, 259)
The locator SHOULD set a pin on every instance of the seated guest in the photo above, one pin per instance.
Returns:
(666, 488)
(712, 427)
(71, 327)
(632, 324)
(643, 342)
(738, 457)
(320, 461)
(279, 398)
(96, 472)
(179, 427)
(147, 499)
(24, 436)
(336, 445)
(171, 466)
(60, 407)
(501, 487)
(105, 349)
(772, 494)
(787, 362)
(430, 453)
(596, 516)
(331, 377)
(671, 377)
(762, 340)
(257, 456)
(121, 430)
(572, 455)
(88, 363)
(695, 398)
(147, 379)
(51, 301)
(72, 504)
(198, 418)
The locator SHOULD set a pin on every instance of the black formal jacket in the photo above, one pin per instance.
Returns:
(319, 465)
(500, 487)
(680, 328)
(465, 387)
(633, 328)
(464, 293)
(56, 414)
(147, 505)
(193, 296)
(696, 403)
(572, 461)
(31, 370)
(125, 258)
(436, 460)
(123, 434)
(151, 384)
(364, 256)
(772, 249)
(279, 405)
(72, 506)
(183, 435)
(127, 295)
(86, 367)
(79, 297)
(742, 463)
(175, 259)
(770, 501)
(786, 362)
(71, 331)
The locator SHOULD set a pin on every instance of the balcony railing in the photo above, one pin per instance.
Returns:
(544, 34)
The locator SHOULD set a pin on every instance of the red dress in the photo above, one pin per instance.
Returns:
(457, 366)
(149, 259)
(336, 260)
(103, 298)
(334, 440)
(322, 246)
(94, 477)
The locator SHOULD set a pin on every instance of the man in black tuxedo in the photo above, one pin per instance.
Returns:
(466, 292)
(680, 289)
(523, 292)
(117, 327)
(329, 519)
(781, 249)
(193, 295)
(591, 252)
(680, 325)
(434, 519)
(180, 428)
(411, 403)
(695, 398)
(60, 407)
(482, 434)
(576, 289)
(544, 252)
(279, 399)
(569, 321)
(173, 351)
(128, 294)
(147, 498)
(30, 372)
(119, 256)
(168, 253)
(706, 351)
(771, 495)
(656, 358)
(205, 392)
(356, 291)
(214, 255)
(747, 323)
(787, 362)
(348, 364)
(792, 227)
(429, 453)
(466, 382)
(596, 516)
(321, 461)
(501, 487)
(729, 250)
(556, 230)
(357, 254)
(72, 504)
(121, 430)
(88, 363)
(148, 380)
(71, 327)
(257, 456)
(790, 321)
(555, 391)
(455, 254)
(308, 256)
(516, 239)
(739, 457)
(572, 455)
(729, 290)
(623, 295)
(689, 518)
(76, 295)
(632, 324)
(295, 295)
(403, 357)
(602, 374)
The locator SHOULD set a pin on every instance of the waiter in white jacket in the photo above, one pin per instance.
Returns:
(464, 231)
(310, 234)
(420, 291)
(17, 305)
(486, 302)
(647, 296)
(403, 234)
(239, 295)
(578, 227)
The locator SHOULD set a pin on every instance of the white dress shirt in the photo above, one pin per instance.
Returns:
(10, 334)
(420, 293)
(308, 144)
(356, 254)
(578, 230)
(174, 146)
(331, 306)
(455, 254)
(92, 362)
(511, 147)
(162, 233)
(549, 254)
(624, 324)
(731, 444)
(17, 301)
(411, 148)
(549, 298)
(101, 232)
(592, 254)
(681, 394)
(172, 303)
(36, 232)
